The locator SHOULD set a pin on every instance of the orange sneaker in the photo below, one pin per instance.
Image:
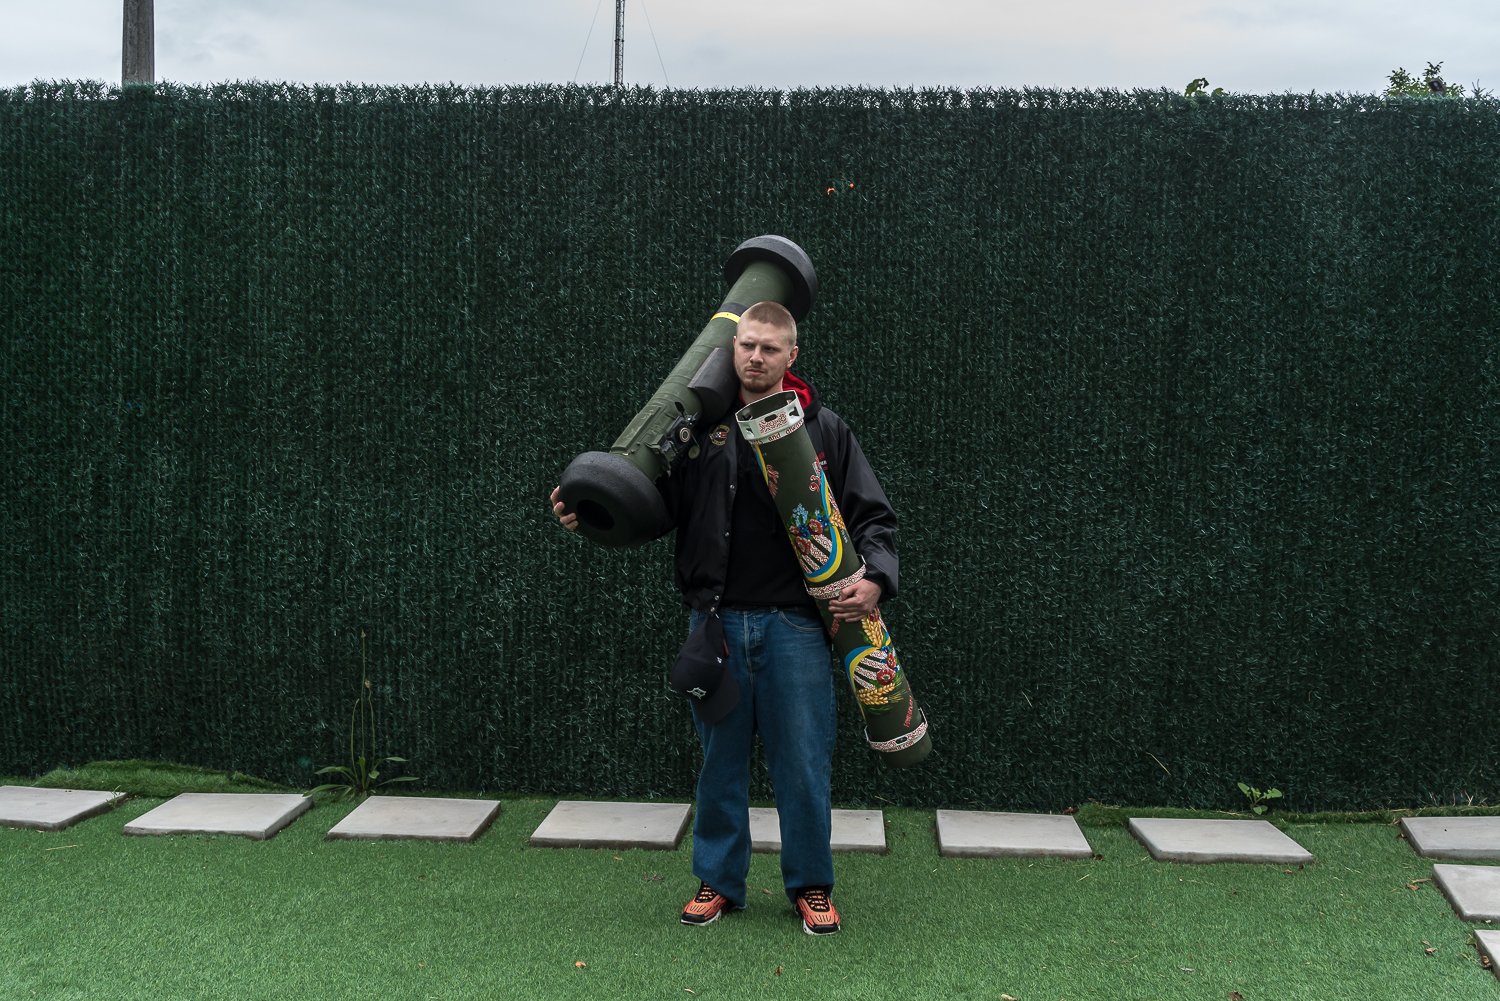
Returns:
(706, 906)
(817, 911)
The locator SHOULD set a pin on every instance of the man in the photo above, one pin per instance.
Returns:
(733, 557)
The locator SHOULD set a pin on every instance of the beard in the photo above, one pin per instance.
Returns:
(760, 382)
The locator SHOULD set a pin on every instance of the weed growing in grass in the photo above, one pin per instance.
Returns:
(361, 776)
(1258, 800)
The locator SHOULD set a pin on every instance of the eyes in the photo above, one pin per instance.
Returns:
(765, 348)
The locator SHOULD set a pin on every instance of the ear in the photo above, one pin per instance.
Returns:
(791, 356)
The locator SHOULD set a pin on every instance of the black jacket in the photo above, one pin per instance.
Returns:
(699, 495)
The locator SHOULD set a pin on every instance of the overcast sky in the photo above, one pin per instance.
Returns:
(1270, 46)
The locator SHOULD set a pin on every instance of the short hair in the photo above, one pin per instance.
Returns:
(773, 314)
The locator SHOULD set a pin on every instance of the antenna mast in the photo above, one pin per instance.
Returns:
(138, 43)
(619, 43)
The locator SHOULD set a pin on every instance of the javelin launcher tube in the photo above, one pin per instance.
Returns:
(894, 724)
(614, 493)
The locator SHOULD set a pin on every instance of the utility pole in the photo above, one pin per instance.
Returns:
(138, 43)
(619, 42)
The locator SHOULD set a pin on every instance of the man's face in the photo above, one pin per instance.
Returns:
(761, 357)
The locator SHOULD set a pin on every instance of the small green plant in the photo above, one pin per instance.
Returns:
(361, 776)
(1199, 87)
(1258, 800)
(1403, 84)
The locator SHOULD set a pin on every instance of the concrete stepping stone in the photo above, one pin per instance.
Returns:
(1172, 840)
(1489, 948)
(1453, 837)
(52, 809)
(585, 824)
(418, 818)
(247, 814)
(979, 834)
(1473, 890)
(853, 830)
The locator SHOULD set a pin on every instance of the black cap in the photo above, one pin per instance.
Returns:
(701, 674)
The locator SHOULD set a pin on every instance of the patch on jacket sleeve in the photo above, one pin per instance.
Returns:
(720, 434)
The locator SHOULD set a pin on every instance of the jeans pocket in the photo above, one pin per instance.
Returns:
(802, 622)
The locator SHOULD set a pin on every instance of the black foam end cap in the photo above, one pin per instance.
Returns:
(616, 503)
(785, 254)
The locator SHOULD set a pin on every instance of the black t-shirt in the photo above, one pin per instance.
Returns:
(763, 569)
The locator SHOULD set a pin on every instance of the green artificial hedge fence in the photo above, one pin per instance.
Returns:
(1188, 408)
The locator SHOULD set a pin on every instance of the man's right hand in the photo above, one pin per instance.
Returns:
(568, 520)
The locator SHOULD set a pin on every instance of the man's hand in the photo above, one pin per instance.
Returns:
(858, 601)
(569, 521)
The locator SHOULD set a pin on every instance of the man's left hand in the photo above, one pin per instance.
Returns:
(859, 601)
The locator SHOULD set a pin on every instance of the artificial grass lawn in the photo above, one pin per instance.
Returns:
(91, 913)
(153, 778)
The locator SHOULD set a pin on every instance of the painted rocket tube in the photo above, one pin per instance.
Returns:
(614, 493)
(894, 724)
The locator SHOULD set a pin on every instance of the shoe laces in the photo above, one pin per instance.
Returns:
(706, 893)
(817, 900)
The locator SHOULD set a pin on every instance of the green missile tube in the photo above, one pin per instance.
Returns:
(614, 493)
(895, 725)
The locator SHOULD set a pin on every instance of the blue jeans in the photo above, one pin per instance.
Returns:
(781, 661)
